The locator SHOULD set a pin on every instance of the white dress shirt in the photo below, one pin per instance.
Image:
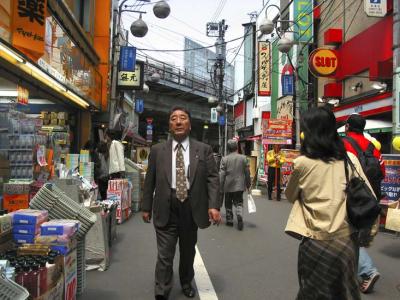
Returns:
(186, 157)
(116, 158)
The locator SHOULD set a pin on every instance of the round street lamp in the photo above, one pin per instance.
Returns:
(139, 27)
(212, 99)
(284, 45)
(266, 26)
(161, 9)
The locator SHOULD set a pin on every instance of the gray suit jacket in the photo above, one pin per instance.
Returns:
(234, 173)
(203, 180)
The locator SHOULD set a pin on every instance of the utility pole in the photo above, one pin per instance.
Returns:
(396, 69)
(218, 30)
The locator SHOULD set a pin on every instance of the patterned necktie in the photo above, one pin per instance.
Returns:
(181, 188)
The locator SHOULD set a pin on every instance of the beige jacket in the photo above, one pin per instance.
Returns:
(317, 190)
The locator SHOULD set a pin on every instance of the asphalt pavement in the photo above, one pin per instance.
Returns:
(259, 262)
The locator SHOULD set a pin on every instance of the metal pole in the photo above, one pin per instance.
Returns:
(226, 126)
(396, 68)
(114, 60)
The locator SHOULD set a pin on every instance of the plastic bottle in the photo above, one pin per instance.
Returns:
(19, 275)
(35, 277)
(51, 271)
(43, 277)
(27, 278)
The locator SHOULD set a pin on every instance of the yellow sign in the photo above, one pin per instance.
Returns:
(28, 26)
(264, 69)
(131, 80)
(323, 62)
(22, 96)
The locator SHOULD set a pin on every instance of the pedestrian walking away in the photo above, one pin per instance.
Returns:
(328, 250)
(234, 176)
(275, 159)
(374, 167)
(181, 194)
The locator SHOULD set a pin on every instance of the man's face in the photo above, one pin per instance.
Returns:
(179, 125)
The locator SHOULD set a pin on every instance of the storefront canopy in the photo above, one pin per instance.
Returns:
(373, 126)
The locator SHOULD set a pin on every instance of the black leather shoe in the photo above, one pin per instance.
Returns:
(188, 290)
(229, 223)
(161, 297)
(240, 223)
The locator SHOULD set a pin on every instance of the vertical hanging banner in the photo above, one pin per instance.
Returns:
(303, 16)
(264, 69)
(22, 95)
(28, 26)
(127, 59)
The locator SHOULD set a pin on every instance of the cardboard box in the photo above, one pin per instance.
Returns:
(4, 163)
(55, 292)
(15, 202)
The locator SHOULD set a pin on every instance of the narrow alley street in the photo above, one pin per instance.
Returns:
(258, 263)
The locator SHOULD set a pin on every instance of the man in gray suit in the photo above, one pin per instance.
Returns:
(181, 192)
(235, 179)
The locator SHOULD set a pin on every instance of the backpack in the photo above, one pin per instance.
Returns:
(370, 165)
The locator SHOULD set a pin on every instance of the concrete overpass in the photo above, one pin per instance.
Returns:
(176, 87)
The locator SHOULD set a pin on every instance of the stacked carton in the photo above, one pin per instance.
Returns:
(26, 224)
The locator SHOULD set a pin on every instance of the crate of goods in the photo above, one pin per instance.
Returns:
(26, 225)
(15, 202)
(60, 206)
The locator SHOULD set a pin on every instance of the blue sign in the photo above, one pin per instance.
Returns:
(287, 85)
(127, 59)
(139, 106)
(221, 120)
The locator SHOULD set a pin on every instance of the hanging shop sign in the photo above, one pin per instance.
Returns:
(128, 80)
(127, 59)
(323, 62)
(239, 115)
(284, 109)
(303, 15)
(22, 95)
(28, 27)
(139, 106)
(214, 115)
(264, 69)
(287, 85)
(390, 186)
(375, 8)
(277, 131)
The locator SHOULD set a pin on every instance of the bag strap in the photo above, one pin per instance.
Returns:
(355, 145)
(353, 168)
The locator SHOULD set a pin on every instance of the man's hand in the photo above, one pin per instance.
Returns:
(214, 216)
(146, 216)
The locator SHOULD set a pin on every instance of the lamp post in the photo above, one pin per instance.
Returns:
(138, 29)
(284, 45)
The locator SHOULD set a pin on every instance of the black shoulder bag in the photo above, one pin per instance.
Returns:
(362, 206)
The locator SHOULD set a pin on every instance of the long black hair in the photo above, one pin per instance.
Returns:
(321, 140)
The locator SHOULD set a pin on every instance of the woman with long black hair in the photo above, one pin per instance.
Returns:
(328, 251)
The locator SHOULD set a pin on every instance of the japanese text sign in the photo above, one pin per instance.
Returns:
(375, 8)
(28, 26)
(391, 183)
(128, 80)
(127, 59)
(264, 69)
(277, 131)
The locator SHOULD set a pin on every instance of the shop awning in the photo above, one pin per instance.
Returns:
(373, 126)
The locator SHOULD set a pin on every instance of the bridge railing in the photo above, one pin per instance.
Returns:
(181, 77)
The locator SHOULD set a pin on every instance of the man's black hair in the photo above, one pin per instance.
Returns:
(175, 108)
(356, 123)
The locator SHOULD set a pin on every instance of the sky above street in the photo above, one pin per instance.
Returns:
(189, 18)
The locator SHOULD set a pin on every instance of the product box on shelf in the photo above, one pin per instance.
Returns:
(24, 238)
(31, 229)
(5, 223)
(59, 227)
(15, 202)
(30, 216)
